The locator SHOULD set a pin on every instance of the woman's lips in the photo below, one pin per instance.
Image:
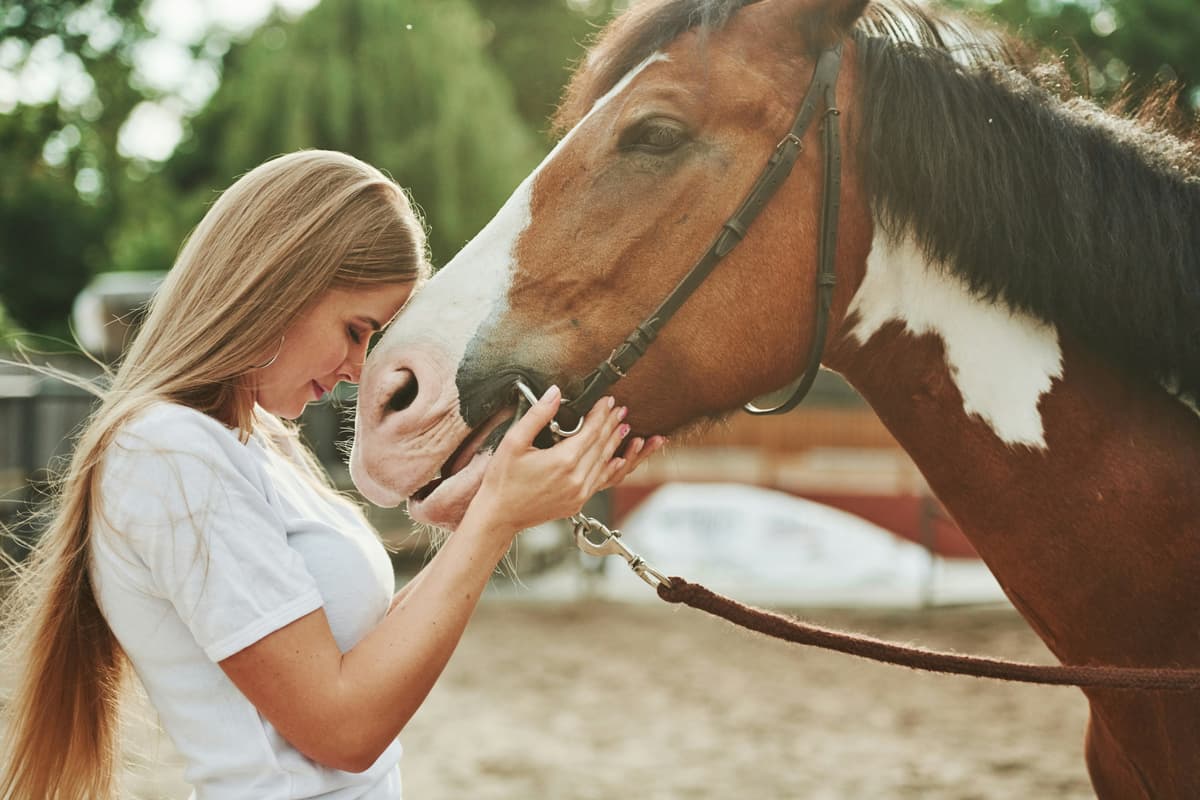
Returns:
(318, 391)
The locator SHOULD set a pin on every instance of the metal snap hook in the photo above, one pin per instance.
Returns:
(555, 428)
(610, 544)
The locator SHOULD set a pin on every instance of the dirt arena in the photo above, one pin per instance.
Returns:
(599, 701)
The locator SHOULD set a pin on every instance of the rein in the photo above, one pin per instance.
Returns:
(779, 626)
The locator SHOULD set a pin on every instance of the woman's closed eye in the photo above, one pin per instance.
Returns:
(361, 329)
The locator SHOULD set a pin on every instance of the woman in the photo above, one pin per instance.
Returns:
(198, 541)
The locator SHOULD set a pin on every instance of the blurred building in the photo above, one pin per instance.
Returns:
(109, 309)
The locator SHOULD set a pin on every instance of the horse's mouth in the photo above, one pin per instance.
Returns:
(443, 499)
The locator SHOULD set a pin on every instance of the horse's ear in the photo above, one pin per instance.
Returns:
(826, 22)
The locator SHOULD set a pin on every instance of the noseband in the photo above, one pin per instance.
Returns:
(822, 89)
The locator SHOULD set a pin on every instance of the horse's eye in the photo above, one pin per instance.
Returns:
(654, 136)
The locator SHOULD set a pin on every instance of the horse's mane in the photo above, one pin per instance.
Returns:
(974, 144)
(1075, 215)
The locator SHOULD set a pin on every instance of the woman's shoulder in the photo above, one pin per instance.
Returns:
(165, 428)
(176, 457)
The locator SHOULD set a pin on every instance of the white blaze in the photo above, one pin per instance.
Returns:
(474, 286)
(1001, 361)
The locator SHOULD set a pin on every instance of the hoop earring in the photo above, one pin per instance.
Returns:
(274, 358)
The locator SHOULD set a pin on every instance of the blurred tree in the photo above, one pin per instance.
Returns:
(8, 329)
(537, 43)
(1148, 42)
(447, 95)
(403, 84)
(68, 67)
(51, 238)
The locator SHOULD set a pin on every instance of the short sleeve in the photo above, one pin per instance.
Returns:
(187, 498)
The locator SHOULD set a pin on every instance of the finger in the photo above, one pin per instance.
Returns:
(617, 433)
(614, 472)
(649, 447)
(607, 449)
(521, 434)
(635, 455)
(597, 423)
(613, 432)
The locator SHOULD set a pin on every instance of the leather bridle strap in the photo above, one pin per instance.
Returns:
(823, 89)
(831, 201)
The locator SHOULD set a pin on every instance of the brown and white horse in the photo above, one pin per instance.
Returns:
(1018, 298)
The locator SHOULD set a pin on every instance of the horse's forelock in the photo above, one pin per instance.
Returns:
(1031, 194)
(650, 26)
(629, 40)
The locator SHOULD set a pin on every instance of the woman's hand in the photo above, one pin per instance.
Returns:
(525, 486)
(635, 454)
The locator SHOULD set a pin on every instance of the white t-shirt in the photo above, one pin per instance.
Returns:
(204, 546)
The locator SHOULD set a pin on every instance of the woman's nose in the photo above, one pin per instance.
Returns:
(352, 367)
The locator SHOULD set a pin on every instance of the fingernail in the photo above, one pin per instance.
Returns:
(552, 392)
(621, 414)
(638, 444)
(623, 431)
(612, 401)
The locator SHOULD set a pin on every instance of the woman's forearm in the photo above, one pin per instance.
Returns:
(384, 679)
(403, 591)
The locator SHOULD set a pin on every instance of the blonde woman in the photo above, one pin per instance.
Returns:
(196, 540)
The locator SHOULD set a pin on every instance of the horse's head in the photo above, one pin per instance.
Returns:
(671, 118)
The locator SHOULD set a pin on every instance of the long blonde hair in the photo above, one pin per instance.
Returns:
(272, 243)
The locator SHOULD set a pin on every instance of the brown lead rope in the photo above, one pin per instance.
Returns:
(677, 590)
(596, 539)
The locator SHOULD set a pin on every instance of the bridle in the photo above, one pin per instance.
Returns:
(822, 91)
(594, 538)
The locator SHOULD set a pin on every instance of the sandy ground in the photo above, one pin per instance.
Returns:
(598, 700)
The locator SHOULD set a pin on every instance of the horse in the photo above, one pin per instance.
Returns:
(1015, 292)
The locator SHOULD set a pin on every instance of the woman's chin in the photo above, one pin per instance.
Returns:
(291, 408)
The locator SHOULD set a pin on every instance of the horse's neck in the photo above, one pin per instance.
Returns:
(1079, 488)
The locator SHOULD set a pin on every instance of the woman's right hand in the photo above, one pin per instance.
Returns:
(526, 486)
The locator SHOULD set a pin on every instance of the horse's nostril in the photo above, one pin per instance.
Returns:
(404, 396)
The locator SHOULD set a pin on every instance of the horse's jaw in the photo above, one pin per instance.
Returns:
(446, 504)
(411, 441)
(438, 497)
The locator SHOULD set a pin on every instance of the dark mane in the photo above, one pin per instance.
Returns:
(973, 145)
(1058, 208)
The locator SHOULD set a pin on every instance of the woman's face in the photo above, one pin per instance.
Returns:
(326, 344)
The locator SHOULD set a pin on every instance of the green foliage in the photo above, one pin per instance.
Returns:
(60, 175)
(536, 44)
(9, 330)
(1148, 42)
(403, 84)
(452, 97)
(51, 238)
